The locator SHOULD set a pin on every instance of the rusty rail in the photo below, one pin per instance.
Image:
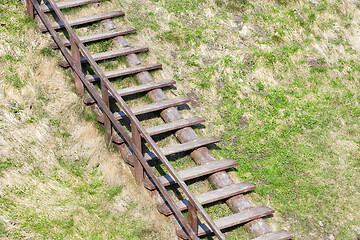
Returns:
(138, 131)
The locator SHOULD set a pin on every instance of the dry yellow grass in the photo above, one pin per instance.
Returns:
(58, 178)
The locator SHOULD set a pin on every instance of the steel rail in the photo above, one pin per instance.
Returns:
(131, 116)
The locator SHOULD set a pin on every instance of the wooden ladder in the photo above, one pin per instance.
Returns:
(130, 143)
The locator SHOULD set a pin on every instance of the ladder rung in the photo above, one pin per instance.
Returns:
(96, 37)
(150, 107)
(195, 172)
(108, 55)
(67, 4)
(125, 71)
(167, 127)
(232, 220)
(175, 125)
(84, 20)
(211, 197)
(183, 147)
(136, 89)
(279, 235)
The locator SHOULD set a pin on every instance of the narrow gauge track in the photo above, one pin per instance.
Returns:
(130, 137)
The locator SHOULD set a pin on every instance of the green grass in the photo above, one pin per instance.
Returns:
(270, 147)
(13, 78)
(179, 6)
(232, 5)
(88, 199)
(6, 164)
(285, 96)
(99, 47)
(47, 52)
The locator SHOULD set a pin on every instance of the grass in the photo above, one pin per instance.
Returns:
(278, 82)
(282, 146)
(90, 199)
(58, 179)
(6, 164)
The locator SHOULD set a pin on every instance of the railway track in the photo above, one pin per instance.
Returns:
(135, 142)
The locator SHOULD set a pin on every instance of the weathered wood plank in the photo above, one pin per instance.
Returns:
(137, 89)
(155, 106)
(109, 55)
(67, 4)
(280, 235)
(145, 87)
(195, 172)
(211, 197)
(96, 37)
(167, 127)
(175, 125)
(125, 71)
(151, 107)
(184, 147)
(84, 20)
(232, 220)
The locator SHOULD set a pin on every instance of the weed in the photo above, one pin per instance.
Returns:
(47, 52)
(32, 119)
(14, 79)
(260, 86)
(109, 65)
(171, 36)
(88, 116)
(98, 47)
(232, 5)
(146, 21)
(178, 6)
(65, 134)
(74, 167)
(10, 58)
(281, 55)
(42, 97)
(3, 231)
(285, 2)
(113, 191)
(16, 107)
(191, 62)
(7, 163)
(54, 122)
(227, 60)
(38, 173)
(323, 5)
